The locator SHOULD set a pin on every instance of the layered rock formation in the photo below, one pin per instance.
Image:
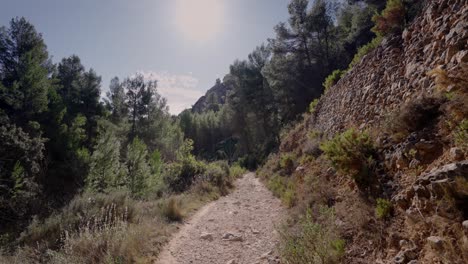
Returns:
(396, 71)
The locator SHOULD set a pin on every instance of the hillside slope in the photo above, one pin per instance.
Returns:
(403, 196)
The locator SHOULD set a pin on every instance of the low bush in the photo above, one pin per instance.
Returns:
(383, 208)
(312, 105)
(237, 171)
(352, 153)
(333, 78)
(218, 177)
(289, 196)
(179, 176)
(283, 188)
(461, 135)
(313, 242)
(287, 163)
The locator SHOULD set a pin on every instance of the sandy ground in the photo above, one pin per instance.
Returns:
(239, 228)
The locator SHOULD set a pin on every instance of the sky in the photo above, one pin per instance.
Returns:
(184, 44)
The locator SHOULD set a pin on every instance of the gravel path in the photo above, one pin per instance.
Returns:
(236, 229)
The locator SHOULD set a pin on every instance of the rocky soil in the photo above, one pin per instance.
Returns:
(238, 228)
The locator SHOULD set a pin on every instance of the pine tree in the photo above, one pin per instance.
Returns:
(105, 167)
(24, 70)
(116, 101)
(139, 172)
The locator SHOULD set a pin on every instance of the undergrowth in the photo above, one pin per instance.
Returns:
(117, 227)
(352, 153)
(313, 241)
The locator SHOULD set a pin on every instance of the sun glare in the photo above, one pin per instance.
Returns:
(199, 20)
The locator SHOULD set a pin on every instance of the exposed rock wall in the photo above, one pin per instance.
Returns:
(396, 71)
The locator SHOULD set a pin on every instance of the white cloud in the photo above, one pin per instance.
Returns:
(180, 90)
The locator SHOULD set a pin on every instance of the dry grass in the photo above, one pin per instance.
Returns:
(172, 210)
(312, 240)
(108, 228)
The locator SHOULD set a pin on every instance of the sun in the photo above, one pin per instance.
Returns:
(199, 20)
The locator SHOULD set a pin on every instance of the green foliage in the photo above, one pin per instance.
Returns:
(391, 20)
(24, 78)
(364, 50)
(17, 176)
(289, 196)
(283, 188)
(461, 135)
(313, 242)
(139, 171)
(155, 162)
(354, 23)
(106, 171)
(312, 105)
(287, 163)
(237, 171)
(180, 175)
(20, 166)
(156, 183)
(218, 176)
(383, 208)
(352, 153)
(332, 79)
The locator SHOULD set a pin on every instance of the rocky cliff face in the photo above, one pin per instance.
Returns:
(396, 72)
(216, 95)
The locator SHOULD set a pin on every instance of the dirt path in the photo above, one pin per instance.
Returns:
(236, 229)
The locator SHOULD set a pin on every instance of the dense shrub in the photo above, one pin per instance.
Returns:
(178, 176)
(313, 242)
(352, 153)
(383, 208)
(218, 177)
(391, 20)
(333, 78)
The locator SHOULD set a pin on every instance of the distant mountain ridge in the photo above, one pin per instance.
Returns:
(214, 97)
